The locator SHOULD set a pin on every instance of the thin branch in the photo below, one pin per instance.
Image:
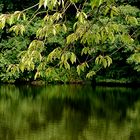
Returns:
(30, 7)
(35, 16)
(65, 9)
(34, 13)
(84, 4)
(75, 7)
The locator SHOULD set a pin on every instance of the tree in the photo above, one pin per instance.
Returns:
(74, 34)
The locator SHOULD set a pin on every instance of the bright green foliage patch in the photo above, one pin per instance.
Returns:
(86, 36)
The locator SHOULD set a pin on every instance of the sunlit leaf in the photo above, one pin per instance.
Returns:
(90, 74)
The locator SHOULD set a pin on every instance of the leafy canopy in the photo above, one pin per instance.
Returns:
(84, 34)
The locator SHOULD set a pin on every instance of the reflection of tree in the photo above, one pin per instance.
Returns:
(112, 103)
(54, 110)
(133, 117)
(69, 113)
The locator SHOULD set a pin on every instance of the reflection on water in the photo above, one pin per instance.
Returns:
(69, 112)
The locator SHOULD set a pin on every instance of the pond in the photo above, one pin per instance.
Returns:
(69, 112)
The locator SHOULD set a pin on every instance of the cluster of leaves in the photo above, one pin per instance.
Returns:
(87, 41)
(9, 50)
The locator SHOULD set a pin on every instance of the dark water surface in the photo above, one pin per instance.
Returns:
(69, 112)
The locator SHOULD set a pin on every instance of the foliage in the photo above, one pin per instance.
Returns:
(87, 41)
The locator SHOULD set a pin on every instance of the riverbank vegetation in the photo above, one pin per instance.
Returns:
(69, 40)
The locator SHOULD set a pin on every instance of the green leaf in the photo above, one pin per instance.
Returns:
(114, 11)
(104, 62)
(64, 28)
(98, 60)
(78, 69)
(63, 58)
(75, 26)
(24, 16)
(18, 29)
(41, 2)
(22, 67)
(107, 8)
(56, 53)
(90, 74)
(81, 16)
(71, 38)
(98, 38)
(66, 64)
(85, 50)
(9, 68)
(2, 21)
(111, 37)
(48, 72)
(37, 74)
(131, 20)
(74, 1)
(126, 39)
(109, 60)
(73, 58)
(95, 3)
(22, 29)
(11, 20)
(54, 31)
(45, 3)
(82, 67)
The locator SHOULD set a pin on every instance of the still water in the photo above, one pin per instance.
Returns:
(69, 112)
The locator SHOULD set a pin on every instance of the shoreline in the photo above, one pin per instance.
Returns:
(96, 82)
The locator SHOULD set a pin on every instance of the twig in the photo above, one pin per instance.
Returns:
(30, 7)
